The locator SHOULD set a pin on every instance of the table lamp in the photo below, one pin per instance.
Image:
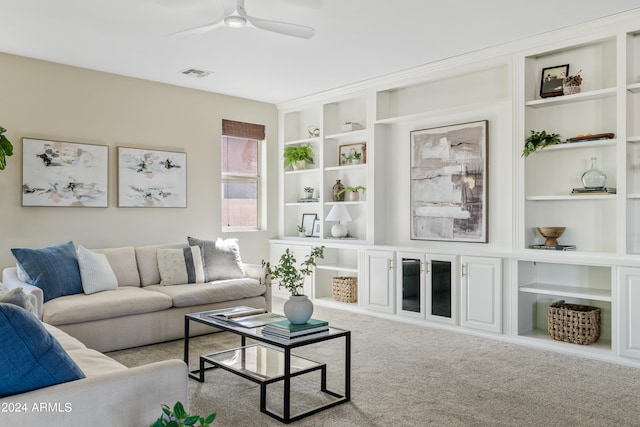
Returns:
(340, 214)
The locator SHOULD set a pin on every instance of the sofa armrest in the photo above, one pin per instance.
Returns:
(127, 397)
(10, 280)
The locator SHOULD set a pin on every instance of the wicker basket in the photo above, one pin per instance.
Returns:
(574, 323)
(345, 289)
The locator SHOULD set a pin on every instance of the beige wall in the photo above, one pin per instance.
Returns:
(50, 101)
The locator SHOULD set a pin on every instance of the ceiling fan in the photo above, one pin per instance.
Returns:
(238, 18)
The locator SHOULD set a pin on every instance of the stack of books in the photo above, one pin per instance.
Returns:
(287, 331)
(554, 248)
(593, 190)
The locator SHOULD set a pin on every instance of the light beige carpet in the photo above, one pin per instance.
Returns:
(406, 375)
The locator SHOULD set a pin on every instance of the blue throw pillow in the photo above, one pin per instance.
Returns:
(30, 357)
(55, 269)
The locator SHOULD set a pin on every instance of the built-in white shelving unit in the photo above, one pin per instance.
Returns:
(501, 86)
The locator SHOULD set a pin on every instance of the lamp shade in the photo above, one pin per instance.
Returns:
(338, 213)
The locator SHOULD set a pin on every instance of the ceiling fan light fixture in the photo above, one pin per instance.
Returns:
(235, 21)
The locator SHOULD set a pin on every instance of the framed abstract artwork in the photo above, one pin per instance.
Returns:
(151, 178)
(56, 173)
(449, 183)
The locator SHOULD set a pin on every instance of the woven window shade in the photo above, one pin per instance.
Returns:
(242, 130)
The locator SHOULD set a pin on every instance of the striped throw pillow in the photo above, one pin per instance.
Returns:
(181, 266)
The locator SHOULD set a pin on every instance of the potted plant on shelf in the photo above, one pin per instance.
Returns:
(571, 84)
(178, 417)
(6, 149)
(351, 126)
(354, 196)
(298, 308)
(539, 140)
(298, 156)
(308, 192)
(300, 229)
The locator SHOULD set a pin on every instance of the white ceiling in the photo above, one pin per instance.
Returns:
(355, 40)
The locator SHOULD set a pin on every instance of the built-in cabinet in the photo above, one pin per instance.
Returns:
(504, 286)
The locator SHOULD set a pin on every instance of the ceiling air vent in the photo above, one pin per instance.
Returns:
(194, 72)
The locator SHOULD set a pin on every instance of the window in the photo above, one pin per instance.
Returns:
(241, 180)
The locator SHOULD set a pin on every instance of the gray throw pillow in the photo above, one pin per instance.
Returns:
(221, 258)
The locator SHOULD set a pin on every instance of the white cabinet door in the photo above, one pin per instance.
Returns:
(481, 293)
(378, 274)
(629, 282)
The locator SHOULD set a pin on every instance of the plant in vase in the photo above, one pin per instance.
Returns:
(353, 190)
(6, 149)
(298, 308)
(571, 84)
(308, 192)
(539, 140)
(297, 156)
(300, 230)
(356, 157)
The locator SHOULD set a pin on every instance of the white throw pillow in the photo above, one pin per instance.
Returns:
(96, 272)
(181, 266)
(18, 297)
(222, 258)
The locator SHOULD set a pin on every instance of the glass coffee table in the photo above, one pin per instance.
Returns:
(269, 360)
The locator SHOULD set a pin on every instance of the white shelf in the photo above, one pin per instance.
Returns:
(569, 197)
(302, 171)
(577, 145)
(633, 196)
(338, 267)
(633, 139)
(347, 202)
(634, 88)
(301, 203)
(355, 134)
(602, 346)
(345, 167)
(567, 291)
(303, 141)
(568, 99)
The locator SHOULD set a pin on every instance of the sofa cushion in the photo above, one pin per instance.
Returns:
(147, 259)
(221, 258)
(94, 363)
(123, 301)
(30, 357)
(67, 342)
(54, 269)
(95, 271)
(207, 293)
(180, 266)
(123, 263)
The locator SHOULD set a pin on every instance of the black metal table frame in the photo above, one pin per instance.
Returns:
(198, 374)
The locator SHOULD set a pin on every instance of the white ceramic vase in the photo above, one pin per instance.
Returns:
(298, 309)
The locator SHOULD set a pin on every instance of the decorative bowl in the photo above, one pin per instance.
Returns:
(551, 234)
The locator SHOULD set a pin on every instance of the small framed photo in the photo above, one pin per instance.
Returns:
(352, 154)
(316, 228)
(308, 219)
(551, 80)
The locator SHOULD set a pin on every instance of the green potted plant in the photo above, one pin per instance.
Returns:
(298, 156)
(300, 230)
(178, 417)
(353, 190)
(6, 149)
(356, 158)
(298, 308)
(539, 140)
(308, 192)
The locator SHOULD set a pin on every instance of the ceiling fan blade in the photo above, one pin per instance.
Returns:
(286, 28)
(200, 29)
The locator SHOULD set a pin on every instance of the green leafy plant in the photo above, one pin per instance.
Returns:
(357, 155)
(296, 153)
(352, 189)
(308, 189)
(300, 229)
(179, 418)
(6, 149)
(286, 272)
(539, 140)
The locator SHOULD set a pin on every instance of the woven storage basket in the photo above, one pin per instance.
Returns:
(574, 323)
(345, 289)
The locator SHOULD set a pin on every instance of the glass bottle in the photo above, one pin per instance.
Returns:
(594, 177)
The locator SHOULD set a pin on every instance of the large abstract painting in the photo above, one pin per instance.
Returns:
(58, 173)
(449, 183)
(150, 178)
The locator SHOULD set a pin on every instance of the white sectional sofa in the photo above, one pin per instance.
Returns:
(110, 394)
(140, 310)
